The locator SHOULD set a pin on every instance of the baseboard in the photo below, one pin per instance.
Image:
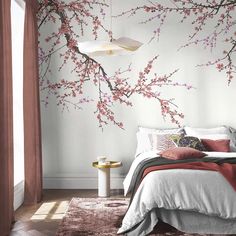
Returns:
(18, 194)
(79, 182)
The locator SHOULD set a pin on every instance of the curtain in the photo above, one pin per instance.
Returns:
(32, 127)
(6, 120)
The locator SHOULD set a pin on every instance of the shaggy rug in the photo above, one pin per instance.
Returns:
(102, 217)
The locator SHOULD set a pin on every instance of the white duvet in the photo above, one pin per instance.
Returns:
(206, 192)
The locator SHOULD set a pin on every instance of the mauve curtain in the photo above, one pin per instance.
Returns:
(6, 120)
(32, 128)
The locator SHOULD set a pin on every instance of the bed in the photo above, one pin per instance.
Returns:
(193, 201)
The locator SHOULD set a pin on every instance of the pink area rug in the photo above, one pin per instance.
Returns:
(102, 217)
(93, 216)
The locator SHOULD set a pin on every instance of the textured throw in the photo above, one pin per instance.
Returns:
(102, 217)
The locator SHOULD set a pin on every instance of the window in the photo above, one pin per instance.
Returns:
(17, 21)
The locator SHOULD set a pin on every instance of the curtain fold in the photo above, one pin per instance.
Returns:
(32, 125)
(6, 120)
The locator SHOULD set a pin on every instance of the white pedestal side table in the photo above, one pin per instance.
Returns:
(104, 176)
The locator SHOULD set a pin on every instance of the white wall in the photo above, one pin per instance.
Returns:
(72, 140)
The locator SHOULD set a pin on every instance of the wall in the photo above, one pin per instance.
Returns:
(72, 139)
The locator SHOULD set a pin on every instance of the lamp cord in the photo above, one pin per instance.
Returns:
(111, 33)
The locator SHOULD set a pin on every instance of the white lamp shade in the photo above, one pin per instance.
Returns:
(121, 46)
(127, 43)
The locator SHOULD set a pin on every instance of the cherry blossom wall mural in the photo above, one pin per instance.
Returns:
(62, 24)
(213, 23)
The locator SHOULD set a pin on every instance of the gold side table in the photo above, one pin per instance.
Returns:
(104, 176)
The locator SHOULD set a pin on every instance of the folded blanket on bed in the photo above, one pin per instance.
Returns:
(226, 166)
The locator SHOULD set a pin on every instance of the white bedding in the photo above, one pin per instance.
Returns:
(206, 192)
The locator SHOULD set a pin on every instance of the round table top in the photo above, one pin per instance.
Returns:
(112, 164)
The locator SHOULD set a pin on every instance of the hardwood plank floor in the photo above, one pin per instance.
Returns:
(42, 219)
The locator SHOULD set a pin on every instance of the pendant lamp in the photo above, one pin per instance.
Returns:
(120, 46)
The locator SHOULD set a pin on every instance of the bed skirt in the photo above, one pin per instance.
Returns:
(185, 221)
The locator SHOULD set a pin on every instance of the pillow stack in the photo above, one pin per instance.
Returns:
(219, 139)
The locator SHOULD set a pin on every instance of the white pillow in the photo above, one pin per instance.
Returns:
(143, 143)
(190, 131)
(221, 132)
(161, 131)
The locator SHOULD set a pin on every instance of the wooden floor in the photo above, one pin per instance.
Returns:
(43, 219)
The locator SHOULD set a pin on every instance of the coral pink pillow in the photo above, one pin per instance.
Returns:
(178, 153)
(220, 145)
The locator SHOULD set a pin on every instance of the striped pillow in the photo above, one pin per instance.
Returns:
(161, 142)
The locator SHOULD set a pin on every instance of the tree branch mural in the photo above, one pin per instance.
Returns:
(202, 15)
(69, 22)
